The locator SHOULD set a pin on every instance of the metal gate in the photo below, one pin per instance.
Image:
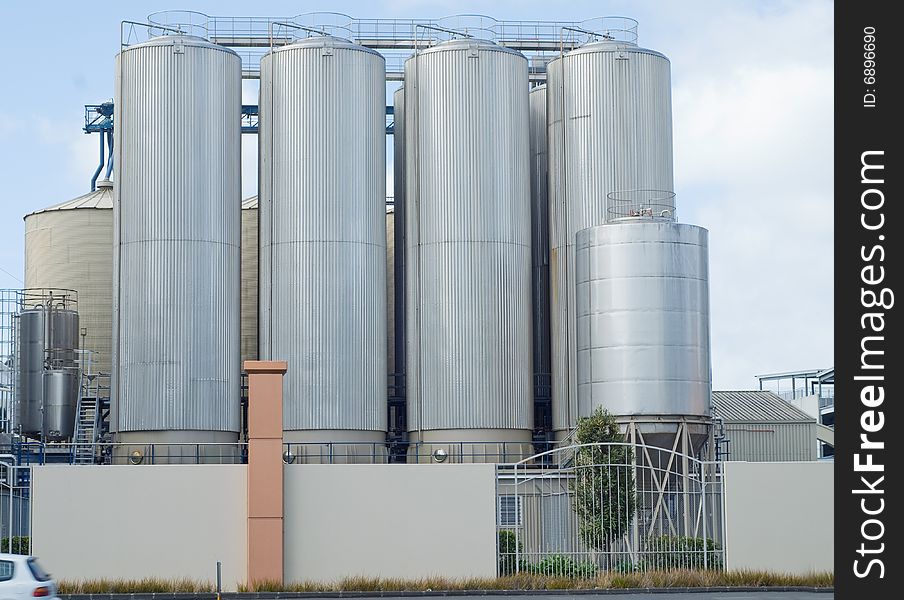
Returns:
(582, 509)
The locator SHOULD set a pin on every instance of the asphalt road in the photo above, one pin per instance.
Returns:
(667, 596)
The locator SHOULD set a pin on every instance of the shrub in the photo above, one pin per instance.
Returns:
(680, 552)
(509, 548)
(21, 545)
(603, 490)
(559, 565)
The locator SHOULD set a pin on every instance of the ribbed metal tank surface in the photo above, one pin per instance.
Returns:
(323, 235)
(70, 245)
(610, 130)
(643, 342)
(539, 216)
(177, 198)
(249, 279)
(468, 237)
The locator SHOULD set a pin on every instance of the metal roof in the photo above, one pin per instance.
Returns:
(788, 374)
(101, 198)
(756, 406)
(249, 203)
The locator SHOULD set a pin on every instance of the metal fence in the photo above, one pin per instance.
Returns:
(15, 507)
(609, 507)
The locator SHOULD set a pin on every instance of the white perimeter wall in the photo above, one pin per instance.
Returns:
(780, 516)
(406, 521)
(168, 521)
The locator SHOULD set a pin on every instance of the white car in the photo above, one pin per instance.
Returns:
(22, 577)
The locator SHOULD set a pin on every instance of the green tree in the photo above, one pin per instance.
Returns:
(603, 488)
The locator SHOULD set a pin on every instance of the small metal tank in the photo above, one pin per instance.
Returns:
(61, 391)
(48, 340)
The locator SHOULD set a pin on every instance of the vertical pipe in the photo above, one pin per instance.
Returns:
(99, 166)
(109, 154)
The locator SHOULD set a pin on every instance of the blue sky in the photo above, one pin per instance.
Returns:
(752, 110)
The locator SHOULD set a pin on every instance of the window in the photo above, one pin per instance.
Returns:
(508, 511)
(6, 570)
(36, 570)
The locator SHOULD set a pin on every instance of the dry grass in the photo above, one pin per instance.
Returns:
(650, 579)
(523, 581)
(134, 586)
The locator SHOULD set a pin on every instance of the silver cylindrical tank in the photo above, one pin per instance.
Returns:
(46, 342)
(539, 216)
(249, 279)
(61, 390)
(69, 245)
(643, 338)
(177, 195)
(468, 244)
(323, 238)
(610, 129)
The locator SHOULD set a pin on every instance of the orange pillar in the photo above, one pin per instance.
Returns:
(265, 470)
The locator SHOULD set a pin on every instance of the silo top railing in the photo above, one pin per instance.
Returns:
(251, 37)
(641, 204)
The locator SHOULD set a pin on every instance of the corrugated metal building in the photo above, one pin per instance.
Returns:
(761, 427)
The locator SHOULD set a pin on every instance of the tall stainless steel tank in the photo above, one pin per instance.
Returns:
(643, 338)
(323, 239)
(610, 129)
(539, 216)
(70, 245)
(468, 246)
(177, 195)
(249, 279)
(48, 339)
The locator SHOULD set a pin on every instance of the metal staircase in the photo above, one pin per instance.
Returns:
(94, 393)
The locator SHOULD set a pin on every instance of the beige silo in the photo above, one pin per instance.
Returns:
(70, 246)
(249, 279)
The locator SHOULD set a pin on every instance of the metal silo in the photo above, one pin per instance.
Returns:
(70, 245)
(177, 257)
(610, 129)
(249, 279)
(323, 242)
(539, 216)
(643, 341)
(468, 250)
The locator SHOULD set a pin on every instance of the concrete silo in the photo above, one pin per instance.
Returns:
(177, 247)
(323, 242)
(468, 256)
(609, 130)
(70, 246)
